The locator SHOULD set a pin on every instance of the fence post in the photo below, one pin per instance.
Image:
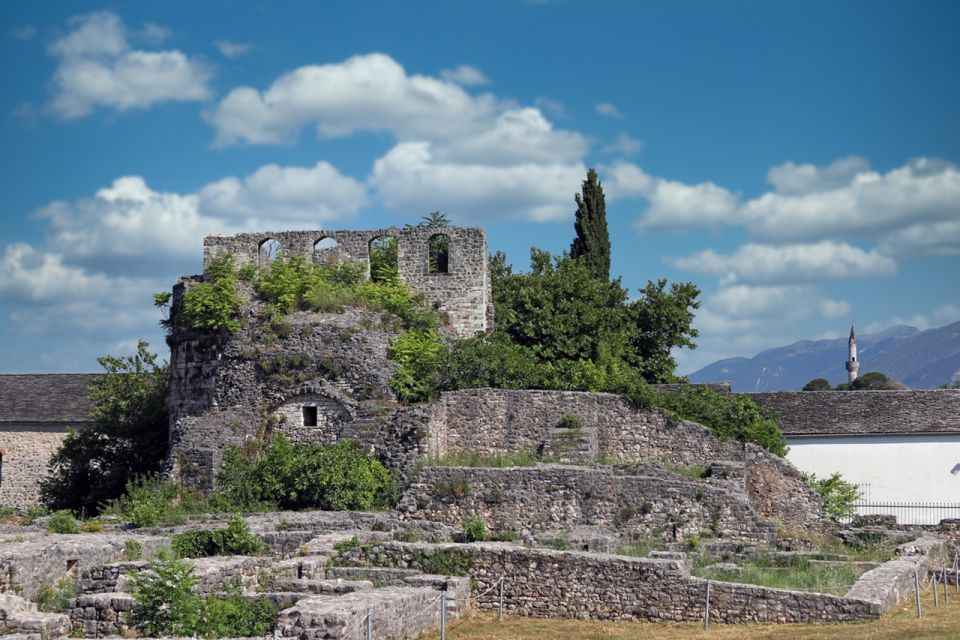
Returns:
(936, 599)
(944, 578)
(706, 609)
(500, 610)
(916, 588)
(443, 615)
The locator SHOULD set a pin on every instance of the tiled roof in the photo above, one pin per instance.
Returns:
(52, 397)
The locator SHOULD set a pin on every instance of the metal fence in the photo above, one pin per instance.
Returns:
(907, 512)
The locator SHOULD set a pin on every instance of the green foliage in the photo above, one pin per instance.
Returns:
(473, 529)
(346, 545)
(592, 244)
(729, 417)
(570, 421)
(165, 601)
(839, 496)
(418, 352)
(951, 385)
(128, 436)
(305, 476)
(446, 562)
(875, 381)
(233, 540)
(234, 615)
(818, 384)
(63, 522)
(453, 488)
(214, 304)
(55, 598)
(659, 321)
(383, 259)
(33, 512)
(151, 502)
(132, 551)
(799, 574)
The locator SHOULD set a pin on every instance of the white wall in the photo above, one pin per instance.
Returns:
(897, 468)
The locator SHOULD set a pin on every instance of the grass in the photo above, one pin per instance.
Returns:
(464, 459)
(900, 624)
(800, 575)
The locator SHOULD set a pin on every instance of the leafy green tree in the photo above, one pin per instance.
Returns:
(876, 381)
(839, 496)
(818, 384)
(383, 259)
(592, 244)
(165, 601)
(661, 320)
(128, 436)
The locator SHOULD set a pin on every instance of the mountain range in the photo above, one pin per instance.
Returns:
(919, 359)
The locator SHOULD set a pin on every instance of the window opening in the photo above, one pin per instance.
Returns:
(383, 259)
(309, 416)
(270, 249)
(325, 251)
(439, 259)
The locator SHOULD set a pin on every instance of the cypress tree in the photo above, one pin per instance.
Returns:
(592, 243)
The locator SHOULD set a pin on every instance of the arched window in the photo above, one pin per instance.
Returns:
(383, 259)
(439, 253)
(270, 249)
(325, 251)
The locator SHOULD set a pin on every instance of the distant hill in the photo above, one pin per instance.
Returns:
(920, 359)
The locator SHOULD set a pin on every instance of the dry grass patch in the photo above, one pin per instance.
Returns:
(901, 624)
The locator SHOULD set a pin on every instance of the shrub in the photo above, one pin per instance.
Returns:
(233, 540)
(132, 551)
(63, 522)
(214, 304)
(91, 526)
(839, 496)
(234, 615)
(335, 478)
(818, 384)
(148, 502)
(56, 597)
(453, 488)
(447, 562)
(570, 421)
(474, 529)
(165, 601)
(418, 352)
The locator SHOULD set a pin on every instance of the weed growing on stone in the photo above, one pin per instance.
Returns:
(473, 529)
(55, 597)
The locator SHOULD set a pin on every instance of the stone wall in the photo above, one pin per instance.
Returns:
(500, 421)
(25, 451)
(547, 584)
(779, 490)
(463, 292)
(532, 500)
(893, 581)
(820, 413)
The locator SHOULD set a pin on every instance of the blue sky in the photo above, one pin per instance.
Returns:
(796, 160)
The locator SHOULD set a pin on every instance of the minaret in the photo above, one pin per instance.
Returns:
(852, 364)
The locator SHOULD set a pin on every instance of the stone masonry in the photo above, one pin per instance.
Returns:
(463, 291)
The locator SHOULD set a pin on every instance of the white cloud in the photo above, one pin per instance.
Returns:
(553, 107)
(781, 302)
(626, 180)
(465, 75)
(411, 180)
(608, 109)
(310, 195)
(229, 49)
(676, 205)
(98, 68)
(154, 34)
(26, 32)
(940, 316)
(790, 178)
(31, 276)
(758, 263)
(625, 144)
(929, 239)
(369, 92)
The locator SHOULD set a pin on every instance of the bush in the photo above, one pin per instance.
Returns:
(56, 597)
(818, 384)
(839, 496)
(418, 353)
(132, 551)
(233, 540)
(307, 476)
(214, 304)
(165, 601)
(234, 615)
(474, 529)
(63, 522)
(148, 502)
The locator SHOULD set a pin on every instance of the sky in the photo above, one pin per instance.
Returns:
(797, 161)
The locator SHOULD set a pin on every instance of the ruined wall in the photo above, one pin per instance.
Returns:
(549, 584)
(813, 413)
(463, 292)
(779, 490)
(26, 450)
(499, 421)
(534, 500)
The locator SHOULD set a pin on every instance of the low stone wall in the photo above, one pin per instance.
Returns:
(500, 421)
(396, 613)
(547, 584)
(30, 565)
(893, 581)
(529, 500)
